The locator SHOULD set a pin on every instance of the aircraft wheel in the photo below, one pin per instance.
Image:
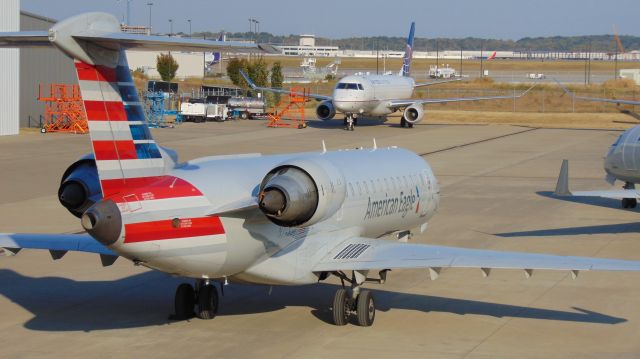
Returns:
(366, 309)
(633, 203)
(340, 307)
(403, 122)
(207, 302)
(410, 125)
(345, 122)
(355, 121)
(185, 301)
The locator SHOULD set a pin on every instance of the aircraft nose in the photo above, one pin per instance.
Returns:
(103, 222)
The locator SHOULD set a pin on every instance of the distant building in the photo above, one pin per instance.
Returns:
(307, 47)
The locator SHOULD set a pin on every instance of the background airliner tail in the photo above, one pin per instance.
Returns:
(408, 53)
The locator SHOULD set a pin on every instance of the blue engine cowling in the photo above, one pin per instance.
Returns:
(80, 186)
(325, 110)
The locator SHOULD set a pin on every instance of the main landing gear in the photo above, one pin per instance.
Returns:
(629, 202)
(405, 123)
(350, 121)
(355, 301)
(201, 301)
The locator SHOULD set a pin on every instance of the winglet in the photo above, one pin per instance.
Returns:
(246, 78)
(562, 186)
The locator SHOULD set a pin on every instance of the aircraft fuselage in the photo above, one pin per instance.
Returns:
(368, 95)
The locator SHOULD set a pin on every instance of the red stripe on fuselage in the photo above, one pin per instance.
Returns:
(105, 111)
(172, 229)
(114, 150)
(149, 188)
(88, 72)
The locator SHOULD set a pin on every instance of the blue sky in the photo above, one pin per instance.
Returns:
(503, 19)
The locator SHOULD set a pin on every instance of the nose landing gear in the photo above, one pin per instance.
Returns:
(350, 121)
(204, 296)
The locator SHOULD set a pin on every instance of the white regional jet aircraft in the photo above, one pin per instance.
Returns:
(622, 162)
(287, 219)
(378, 95)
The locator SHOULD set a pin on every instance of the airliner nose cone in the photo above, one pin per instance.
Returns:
(273, 201)
(103, 222)
(73, 195)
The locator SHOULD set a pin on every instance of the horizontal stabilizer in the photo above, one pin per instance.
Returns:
(24, 39)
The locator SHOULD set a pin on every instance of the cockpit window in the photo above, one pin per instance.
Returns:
(348, 86)
(360, 87)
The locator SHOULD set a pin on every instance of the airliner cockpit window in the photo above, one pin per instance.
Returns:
(348, 86)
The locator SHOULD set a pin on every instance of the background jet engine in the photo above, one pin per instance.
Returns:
(302, 192)
(414, 113)
(80, 186)
(325, 110)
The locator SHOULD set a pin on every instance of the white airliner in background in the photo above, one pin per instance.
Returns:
(378, 95)
(288, 219)
(622, 162)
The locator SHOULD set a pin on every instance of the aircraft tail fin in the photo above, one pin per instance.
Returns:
(126, 155)
(408, 53)
(492, 56)
(562, 186)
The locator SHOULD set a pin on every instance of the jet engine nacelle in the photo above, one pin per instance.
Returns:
(80, 186)
(414, 113)
(325, 110)
(301, 193)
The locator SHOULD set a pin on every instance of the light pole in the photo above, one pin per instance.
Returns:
(189, 21)
(150, 4)
(170, 27)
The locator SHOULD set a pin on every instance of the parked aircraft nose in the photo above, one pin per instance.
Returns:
(273, 201)
(103, 222)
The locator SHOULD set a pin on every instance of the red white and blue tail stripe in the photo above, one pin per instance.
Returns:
(126, 154)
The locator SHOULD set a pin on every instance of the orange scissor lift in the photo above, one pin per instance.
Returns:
(289, 112)
(63, 111)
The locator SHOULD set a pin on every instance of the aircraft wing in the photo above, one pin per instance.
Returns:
(562, 188)
(133, 41)
(597, 99)
(366, 254)
(423, 84)
(409, 102)
(278, 90)
(57, 244)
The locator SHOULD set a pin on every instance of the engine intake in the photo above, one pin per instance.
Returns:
(301, 193)
(325, 110)
(414, 113)
(80, 187)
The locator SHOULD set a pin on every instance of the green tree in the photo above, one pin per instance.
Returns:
(167, 66)
(233, 71)
(258, 72)
(277, 79)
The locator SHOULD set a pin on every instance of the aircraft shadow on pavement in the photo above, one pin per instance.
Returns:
(593, 201)
(60, 304)
(633, 227)
(337, 123)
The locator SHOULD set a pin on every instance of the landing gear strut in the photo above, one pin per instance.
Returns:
(405, 123)
(350, 121)
(204, 298)
(629, 202)
(355, 301)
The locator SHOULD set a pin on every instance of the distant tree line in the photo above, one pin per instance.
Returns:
(598, 43)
